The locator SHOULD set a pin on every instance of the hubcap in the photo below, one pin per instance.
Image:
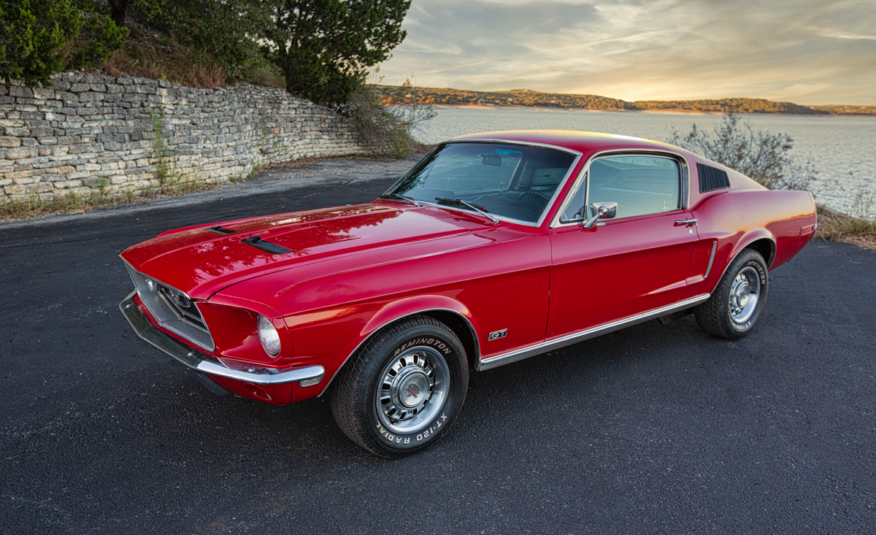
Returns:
(744, 295)
(411, 387)
(412, 390)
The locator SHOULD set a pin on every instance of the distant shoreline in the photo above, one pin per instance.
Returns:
(651, 112)
(571, 108)
(525, 98)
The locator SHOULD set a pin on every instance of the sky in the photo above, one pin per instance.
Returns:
(803, 51)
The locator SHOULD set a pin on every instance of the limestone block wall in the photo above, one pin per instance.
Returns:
(91, 134)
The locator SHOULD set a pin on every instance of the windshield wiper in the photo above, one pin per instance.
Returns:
(480, 210)
(397, 197)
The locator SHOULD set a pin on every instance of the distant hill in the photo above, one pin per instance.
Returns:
(527, 97)
(738, 105)
(848, 110)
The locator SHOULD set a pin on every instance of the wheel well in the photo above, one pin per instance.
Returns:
(462, 329)
(457, 323)
(766, 247)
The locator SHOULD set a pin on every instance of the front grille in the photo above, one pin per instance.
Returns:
(173, 309)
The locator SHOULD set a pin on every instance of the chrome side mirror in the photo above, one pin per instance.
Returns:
(603, 210)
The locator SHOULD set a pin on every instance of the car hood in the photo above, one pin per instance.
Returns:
(200, 261)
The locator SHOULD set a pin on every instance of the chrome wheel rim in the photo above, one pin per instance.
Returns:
(412, 390)
(744, 295)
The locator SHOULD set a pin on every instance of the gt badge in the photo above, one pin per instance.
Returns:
(496, 335)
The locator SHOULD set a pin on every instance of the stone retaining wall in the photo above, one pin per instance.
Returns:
(90, 134)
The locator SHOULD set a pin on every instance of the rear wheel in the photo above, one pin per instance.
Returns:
(736, 304)
(403, 389)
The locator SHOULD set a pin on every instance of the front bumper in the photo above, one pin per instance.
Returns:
(200, 362)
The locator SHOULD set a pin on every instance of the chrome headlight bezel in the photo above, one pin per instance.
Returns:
(269, 337)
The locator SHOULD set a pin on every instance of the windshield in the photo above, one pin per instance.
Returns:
(513, 181)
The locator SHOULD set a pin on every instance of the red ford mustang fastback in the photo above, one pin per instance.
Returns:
(494, 248)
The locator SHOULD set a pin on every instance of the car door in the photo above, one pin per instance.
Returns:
(633, 263)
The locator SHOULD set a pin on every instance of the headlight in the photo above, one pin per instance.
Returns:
(269, 337)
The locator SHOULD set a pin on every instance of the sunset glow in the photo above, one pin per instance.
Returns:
(809, 52)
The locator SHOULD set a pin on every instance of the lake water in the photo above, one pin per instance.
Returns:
(842, 148)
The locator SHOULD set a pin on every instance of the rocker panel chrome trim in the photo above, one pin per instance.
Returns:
(580, 336)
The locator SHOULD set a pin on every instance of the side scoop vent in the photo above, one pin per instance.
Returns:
(711, 178)
(220, 230)
(266, 246)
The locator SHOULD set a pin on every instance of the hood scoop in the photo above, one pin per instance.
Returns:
(219, 230)
(266, 246)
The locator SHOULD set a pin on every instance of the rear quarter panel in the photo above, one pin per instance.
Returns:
(734, 219)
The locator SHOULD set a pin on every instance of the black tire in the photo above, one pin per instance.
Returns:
(718, 315)
(398, 414)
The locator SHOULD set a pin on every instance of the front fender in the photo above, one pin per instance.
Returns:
(402, 308)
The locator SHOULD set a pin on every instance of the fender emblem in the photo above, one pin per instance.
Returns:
(497, 334)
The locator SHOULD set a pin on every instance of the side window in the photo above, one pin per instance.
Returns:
(640, 185)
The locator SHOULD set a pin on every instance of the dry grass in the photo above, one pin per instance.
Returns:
(36, 206)
(836, 226)
(70, 203)
(149, 56)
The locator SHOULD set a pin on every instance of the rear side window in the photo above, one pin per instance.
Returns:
(712, 178)
(640, 185)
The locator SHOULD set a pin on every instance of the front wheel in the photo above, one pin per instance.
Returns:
(403, 389)
(736, 304)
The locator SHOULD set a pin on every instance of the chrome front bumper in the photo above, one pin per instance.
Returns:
(206, 364)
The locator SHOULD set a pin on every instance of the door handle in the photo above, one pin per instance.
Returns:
(689, 222)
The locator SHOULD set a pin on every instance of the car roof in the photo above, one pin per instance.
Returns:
(583, 142)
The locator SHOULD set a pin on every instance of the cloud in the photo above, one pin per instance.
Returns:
(827, 32)
(819, 51)
(457, 67)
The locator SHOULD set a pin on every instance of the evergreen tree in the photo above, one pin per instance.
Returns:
(325, 47)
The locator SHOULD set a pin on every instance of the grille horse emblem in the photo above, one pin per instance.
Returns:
(181, 299)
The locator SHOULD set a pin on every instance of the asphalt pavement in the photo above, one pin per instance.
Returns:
(654, 429)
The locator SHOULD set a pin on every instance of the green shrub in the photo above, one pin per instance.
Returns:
(387, 129)
(758, 154)
(39, 38)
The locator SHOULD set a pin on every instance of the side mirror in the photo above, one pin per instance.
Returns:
(603, 210)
